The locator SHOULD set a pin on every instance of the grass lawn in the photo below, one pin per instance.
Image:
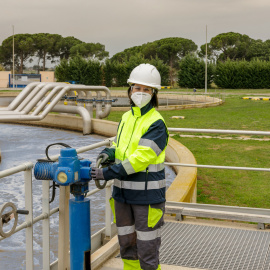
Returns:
(235, 113)
(231, 187)
(227, 187)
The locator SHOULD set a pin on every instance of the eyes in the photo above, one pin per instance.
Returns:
(137, 88)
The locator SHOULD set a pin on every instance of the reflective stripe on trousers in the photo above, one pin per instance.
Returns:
(136, 239)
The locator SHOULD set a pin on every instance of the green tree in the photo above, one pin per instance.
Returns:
(88, 72)
(89, 50)
(46, 47)
(65, 46)
(116, 73)
(229, 46)
(243, 74)
(169, 50)
(24, 49)
(192, 72)
(260, 49)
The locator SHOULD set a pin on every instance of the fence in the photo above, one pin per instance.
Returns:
(22, 80)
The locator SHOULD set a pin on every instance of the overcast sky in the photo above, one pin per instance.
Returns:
(120, 24)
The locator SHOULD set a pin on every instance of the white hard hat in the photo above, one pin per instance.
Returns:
(145, 74)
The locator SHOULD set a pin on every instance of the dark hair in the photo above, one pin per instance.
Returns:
(154, 99)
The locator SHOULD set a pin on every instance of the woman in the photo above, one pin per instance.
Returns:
(138, 198)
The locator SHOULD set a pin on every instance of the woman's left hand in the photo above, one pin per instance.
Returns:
(97, 174)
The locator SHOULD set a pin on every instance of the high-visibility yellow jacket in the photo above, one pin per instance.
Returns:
(139, 152)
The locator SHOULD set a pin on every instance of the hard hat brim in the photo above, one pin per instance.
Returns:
(130, 82)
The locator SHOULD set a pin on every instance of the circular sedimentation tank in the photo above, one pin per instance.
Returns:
(21, 143)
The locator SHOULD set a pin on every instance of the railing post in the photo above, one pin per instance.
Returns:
(29, 219)
(46, 224)
(63, 235)
(108, 212)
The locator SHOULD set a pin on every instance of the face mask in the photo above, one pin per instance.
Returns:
(141, 99)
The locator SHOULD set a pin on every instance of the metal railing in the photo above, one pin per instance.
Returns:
(30, 220)
(46, 212)
(261, 216)
(219, 131)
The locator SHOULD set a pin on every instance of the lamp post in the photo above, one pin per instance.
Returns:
(13, 59)
(206, 63)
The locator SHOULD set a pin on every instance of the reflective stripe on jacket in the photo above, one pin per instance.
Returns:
(139, 156)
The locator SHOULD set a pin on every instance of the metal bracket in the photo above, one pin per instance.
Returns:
(261, 226)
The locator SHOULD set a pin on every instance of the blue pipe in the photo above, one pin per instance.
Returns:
(80, 235)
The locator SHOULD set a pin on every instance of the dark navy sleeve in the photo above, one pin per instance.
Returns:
(158, 133)
(114, 171)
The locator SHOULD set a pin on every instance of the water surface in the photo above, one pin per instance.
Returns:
(19, 144)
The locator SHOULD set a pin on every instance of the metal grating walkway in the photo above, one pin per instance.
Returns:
(209, 247)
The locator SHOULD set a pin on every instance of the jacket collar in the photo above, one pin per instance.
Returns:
(137, 112)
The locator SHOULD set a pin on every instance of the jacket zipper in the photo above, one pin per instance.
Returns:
(130, 137)
(118, 140)
(146, 181)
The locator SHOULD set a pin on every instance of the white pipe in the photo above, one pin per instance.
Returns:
(78, 110)
(29, 97)
(218, 167)
(25, 224)
(99, 113)
(46, 100)
(220, 131)
(17, 169)
(86, 148)
(24, 93)
(29, 219)
(42, 92)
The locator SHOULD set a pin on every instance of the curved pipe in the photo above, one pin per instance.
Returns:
(47, 99)
(38, 97)
(29, 97)
(89, 106)
(99, 113)
(78, 110)
(24, 93)
(58, 108)
(56, 96)
(11, 112)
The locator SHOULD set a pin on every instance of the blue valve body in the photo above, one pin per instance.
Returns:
(69, 170)
(76, 171)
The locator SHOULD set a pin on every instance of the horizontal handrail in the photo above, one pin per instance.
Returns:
(225, 208)
(109, 184)
(24, 225)
(257, 215)
(220, 131)
(87, 148)
(17, 169)
(218, 167)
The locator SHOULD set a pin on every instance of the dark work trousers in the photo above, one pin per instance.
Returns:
(136, 239)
